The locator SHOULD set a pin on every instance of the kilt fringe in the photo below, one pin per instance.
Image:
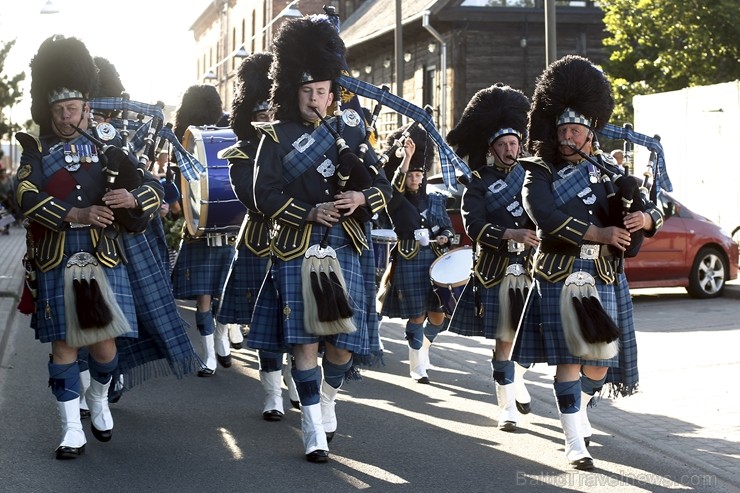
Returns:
(161, 368)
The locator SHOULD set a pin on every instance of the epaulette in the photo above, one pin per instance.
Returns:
(28, 141)
(236, 151)
(267, 128)
(535, 160)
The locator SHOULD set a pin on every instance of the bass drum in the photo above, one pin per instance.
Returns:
(209, 203)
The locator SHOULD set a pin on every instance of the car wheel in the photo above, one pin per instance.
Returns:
(707, 277)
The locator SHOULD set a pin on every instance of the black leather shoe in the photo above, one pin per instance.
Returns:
(206, 372)
(295, 404)
(524, 408)
(84, 413)
(318, 456)
(101, 435)
(115, 394)
(424, 380)
(585, 464)
(64, 452)
(508, 426)
(272, 415)
(236, 345)
(224, 361)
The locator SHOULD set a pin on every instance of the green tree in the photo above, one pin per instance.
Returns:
(10, 92)
(666, 45)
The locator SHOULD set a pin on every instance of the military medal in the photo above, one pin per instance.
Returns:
(593, 174)
(94, 157)
(67, 153)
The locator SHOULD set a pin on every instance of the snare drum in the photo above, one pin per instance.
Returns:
(383, 241)
(449, 274)
(209, 203)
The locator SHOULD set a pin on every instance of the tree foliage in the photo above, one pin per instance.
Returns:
(10, 91)
(666, 45)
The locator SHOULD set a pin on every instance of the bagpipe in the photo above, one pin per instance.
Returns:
(128, 141)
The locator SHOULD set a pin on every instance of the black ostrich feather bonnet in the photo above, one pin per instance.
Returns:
(200, 105)
(62, 69)
(491, 113)
(253, 94)
(306, 50)
(571, 83)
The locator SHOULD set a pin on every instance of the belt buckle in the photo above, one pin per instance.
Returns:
(590, 252)
(515, 247)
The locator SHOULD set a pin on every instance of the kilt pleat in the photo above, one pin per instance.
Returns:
(465, 321)
(242, 286)
(411, 294)
(163, 346)
(540, 337)
(200, 269)
(624, 379)
(49, 320)
(277, 321)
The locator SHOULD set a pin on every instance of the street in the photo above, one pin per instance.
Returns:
(207, 434)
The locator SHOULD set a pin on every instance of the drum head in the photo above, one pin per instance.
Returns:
(452, 268)
(212, 190)
(384, 236)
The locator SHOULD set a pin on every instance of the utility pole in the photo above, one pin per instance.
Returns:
(551, 40)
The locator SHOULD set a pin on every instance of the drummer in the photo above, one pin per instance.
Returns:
(489, 134)
(203, 262)
(424, 231)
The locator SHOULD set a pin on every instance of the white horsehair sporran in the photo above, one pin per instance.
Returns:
(581, 286)
(92, 313)
(512, 294)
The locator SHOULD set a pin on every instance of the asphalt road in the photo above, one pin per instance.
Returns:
(394, 434)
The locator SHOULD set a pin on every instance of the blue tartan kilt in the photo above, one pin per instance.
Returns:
(411, 294)
(465, 321)
(277, 321)
(163, 346)
(540, 337)
(200, 269)
(624, 379)
(158, 241)
(367, 264)
(49, 318)
(242, 286)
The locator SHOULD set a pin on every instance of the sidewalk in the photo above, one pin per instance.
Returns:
(12, 274)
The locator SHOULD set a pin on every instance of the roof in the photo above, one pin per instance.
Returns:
(375, 18)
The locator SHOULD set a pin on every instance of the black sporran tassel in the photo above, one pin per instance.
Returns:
(585, 320)
(345, 311)
(328, 300)
(516, 306)
(82, 303)
(99, 311)
(605, 330)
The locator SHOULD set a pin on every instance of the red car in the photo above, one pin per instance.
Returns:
(689, 251)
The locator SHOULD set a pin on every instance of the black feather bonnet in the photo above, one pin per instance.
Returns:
(491, 113)
(61, 69)
(252, 94)
(570, 83)
(423, 157)
(200, 105)
(306, 50)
